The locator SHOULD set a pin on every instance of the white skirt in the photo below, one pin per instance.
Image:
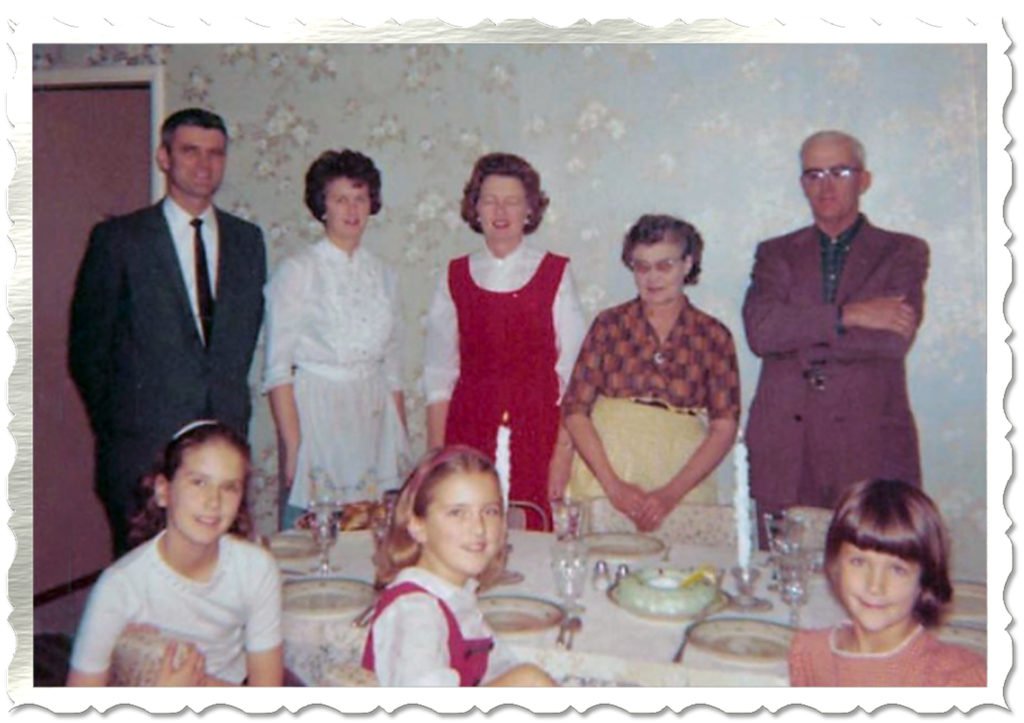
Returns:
(350, 430)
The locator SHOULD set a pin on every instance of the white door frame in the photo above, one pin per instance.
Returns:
(114, 75)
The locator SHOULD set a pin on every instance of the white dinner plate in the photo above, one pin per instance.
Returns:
(974, 639)
(622, 545)
(325, 598)
(740, 640)
(292, 545)
(519, 614)
(970, 604)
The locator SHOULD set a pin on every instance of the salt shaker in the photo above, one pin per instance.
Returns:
(621, 571)
(602, 580)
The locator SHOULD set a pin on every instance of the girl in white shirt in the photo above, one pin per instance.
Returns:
(213, 593)
(446, 535)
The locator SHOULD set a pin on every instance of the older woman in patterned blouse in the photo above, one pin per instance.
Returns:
(653, 402)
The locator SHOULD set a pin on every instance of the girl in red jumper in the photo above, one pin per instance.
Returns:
(886, 561)
(446, 536)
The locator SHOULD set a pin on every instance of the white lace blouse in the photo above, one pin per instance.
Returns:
(328, 310)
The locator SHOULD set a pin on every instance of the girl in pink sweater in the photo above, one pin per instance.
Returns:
(886, 562)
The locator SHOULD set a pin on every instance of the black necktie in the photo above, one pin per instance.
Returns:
(203, 292)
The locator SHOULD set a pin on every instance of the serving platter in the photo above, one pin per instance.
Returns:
(321, 598)
(519, 613)
(718, 604)
(741, 640)
(622, 545)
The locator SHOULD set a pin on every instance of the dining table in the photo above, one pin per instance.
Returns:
(613, 647)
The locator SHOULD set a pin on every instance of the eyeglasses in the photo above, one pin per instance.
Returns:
(662, 267)
(837, 173)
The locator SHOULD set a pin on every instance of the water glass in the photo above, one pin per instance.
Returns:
(325, 504)
(324, 526)
(382, 515)
(793, 571)
(566, 515)
(569, 565)
(785, 532)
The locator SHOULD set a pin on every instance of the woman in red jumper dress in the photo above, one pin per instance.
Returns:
(502, 335)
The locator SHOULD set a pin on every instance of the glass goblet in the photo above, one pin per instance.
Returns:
(324, 526)
(773, 523)
(569, 565)
(565, 517)
(325, 505)
(793, 570)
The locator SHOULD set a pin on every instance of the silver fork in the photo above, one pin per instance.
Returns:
(575, 625)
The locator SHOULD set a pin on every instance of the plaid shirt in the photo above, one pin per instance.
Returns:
(695, 368)
(833, 257)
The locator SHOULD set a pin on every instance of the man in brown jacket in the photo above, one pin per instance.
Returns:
(832, 310)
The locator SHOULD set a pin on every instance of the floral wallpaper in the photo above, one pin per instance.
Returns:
(709, 132)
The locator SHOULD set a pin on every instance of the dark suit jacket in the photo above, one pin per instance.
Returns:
(860, 425)
(135, 351)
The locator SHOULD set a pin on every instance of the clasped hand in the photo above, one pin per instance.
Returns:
(647, 510)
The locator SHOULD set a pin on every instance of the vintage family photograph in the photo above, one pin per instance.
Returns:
(630, 365)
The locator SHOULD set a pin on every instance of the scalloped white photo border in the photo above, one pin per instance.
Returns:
(18, 81)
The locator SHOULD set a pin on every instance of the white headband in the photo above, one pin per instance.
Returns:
(192, 425)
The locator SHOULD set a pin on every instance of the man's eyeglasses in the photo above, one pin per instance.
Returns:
(662, 267)
(838, 173)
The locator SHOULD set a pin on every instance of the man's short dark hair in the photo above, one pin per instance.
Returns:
(195, 117)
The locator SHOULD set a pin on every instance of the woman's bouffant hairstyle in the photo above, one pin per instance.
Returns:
(898, 519)
(331, 165)
(152, 518)
(398, 549)
(654, 228)
(504, 164)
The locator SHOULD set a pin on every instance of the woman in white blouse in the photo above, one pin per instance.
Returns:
(502, 335)
(332, 350)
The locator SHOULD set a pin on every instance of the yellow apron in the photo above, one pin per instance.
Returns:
(646, 446)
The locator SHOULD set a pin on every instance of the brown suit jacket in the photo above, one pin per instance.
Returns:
(806, 445)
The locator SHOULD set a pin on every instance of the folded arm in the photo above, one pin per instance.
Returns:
(881, 324)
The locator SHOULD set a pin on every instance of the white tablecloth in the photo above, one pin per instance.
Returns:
(613, 648)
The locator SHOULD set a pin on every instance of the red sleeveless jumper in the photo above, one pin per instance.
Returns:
(507, 356)
(468, 656)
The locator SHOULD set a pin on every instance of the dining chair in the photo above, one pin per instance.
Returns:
(518, 511)
(687, 524)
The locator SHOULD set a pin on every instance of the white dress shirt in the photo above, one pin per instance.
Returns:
(514, 271)
(183, 235)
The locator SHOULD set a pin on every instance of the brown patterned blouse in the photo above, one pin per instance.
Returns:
(695, 368)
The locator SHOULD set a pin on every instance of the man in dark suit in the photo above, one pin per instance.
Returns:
(167, 307)
(832, 310)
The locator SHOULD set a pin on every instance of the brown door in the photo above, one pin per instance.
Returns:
(91, 159)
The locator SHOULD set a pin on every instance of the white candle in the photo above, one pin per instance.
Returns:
(741, 505)
(502, 461)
